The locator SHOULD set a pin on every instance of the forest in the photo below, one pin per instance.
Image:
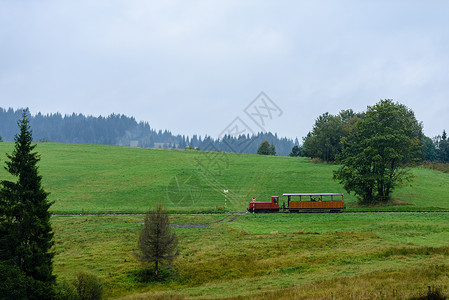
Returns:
(122, 130)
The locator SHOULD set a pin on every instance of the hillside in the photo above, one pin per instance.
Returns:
(96, 178)
(266, 256)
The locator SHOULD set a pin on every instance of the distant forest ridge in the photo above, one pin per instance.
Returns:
(122, 130)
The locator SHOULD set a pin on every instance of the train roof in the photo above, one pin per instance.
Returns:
(314, 194)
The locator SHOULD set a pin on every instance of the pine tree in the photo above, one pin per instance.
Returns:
(157, 243)
(25, 229)
(296, 151)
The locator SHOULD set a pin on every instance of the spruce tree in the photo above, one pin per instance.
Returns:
(26, 236)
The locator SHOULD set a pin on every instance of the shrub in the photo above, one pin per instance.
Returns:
(88, 286)
(66, 291)
(439, 166)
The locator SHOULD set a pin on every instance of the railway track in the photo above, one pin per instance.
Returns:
(244, 213)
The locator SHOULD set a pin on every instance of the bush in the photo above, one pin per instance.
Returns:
(66, 291)
(439, 166)
(88, 286)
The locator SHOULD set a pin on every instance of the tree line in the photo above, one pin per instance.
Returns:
(121, 130)
(325, 141)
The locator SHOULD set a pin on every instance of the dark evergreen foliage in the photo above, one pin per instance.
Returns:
(158, 245)
(296, 151)
(26, 233)
(126, 131)
(13, 282)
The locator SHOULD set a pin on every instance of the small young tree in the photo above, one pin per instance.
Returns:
(158, 245)
(266, 149)
(26, 235)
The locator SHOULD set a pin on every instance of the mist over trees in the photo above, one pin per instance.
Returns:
(126, 131)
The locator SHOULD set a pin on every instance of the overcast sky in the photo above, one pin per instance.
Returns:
(195, 66)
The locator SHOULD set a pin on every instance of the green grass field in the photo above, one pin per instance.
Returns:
(374, 255)
(95, 178)
(262, 256)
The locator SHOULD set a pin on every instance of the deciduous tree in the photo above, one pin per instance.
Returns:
(375, 155)
(324, 140)
(266, 149)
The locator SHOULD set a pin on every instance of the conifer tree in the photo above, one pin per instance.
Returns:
(26, 236)
(157, 243)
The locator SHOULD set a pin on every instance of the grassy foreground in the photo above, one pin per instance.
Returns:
(96, 178)
(273, 256)
(249, 256)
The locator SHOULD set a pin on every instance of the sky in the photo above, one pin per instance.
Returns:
(210, 67)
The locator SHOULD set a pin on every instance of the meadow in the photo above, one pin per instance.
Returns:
(111, 179)
(302, 256)
(261, 256)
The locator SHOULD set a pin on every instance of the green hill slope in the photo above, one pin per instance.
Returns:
(96, 178)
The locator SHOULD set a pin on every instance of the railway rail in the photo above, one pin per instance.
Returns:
(245, 213)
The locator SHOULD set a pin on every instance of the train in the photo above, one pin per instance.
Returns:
(306, 202)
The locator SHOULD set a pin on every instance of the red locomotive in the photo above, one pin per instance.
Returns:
(264, 206)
